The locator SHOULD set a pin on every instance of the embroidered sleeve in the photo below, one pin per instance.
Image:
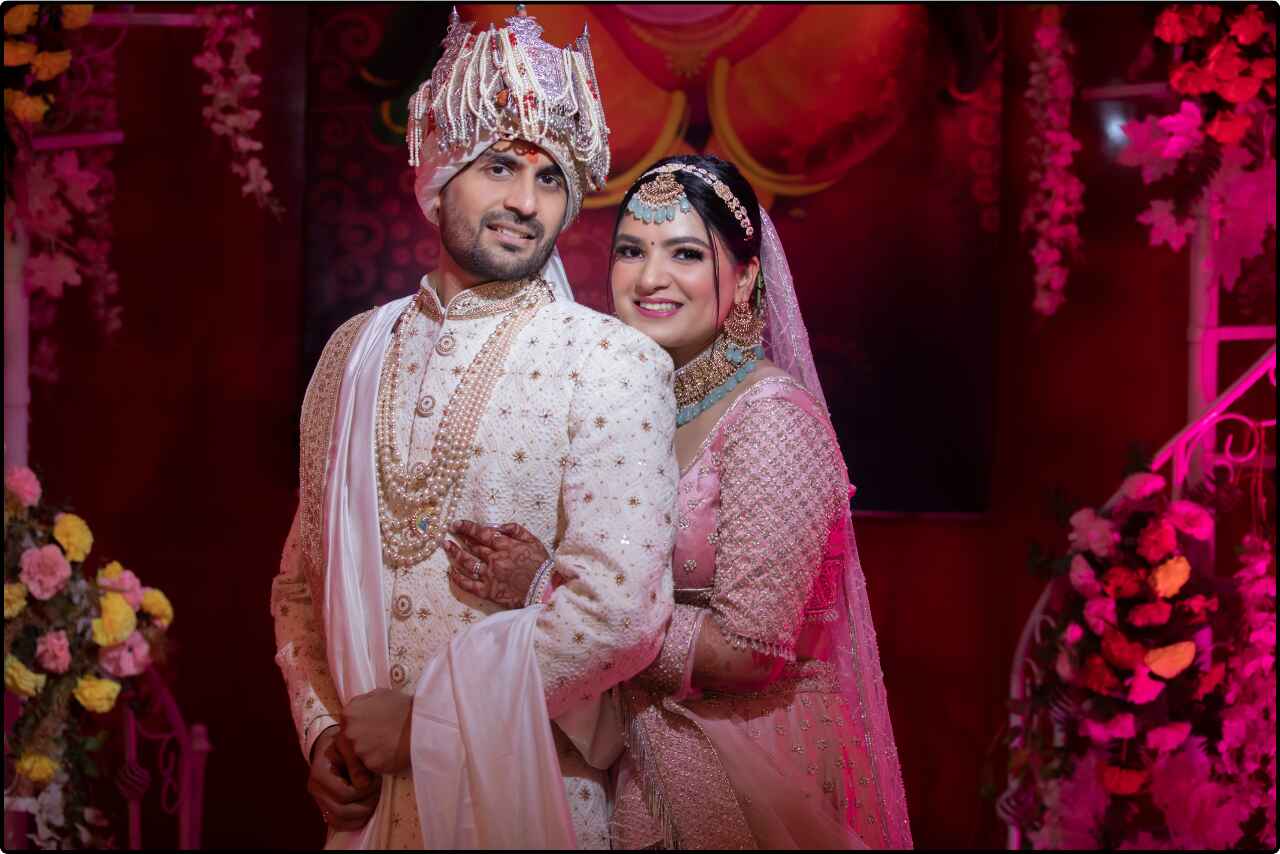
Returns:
(300, 652)
(604, 621)
(672, 671)
(779, 491)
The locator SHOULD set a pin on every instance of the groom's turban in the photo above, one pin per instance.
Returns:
(508, 84)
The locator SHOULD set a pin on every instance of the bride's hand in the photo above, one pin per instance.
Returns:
(497, 564)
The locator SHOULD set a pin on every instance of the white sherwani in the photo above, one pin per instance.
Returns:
(575, 444)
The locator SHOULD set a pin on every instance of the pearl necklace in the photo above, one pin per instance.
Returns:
(415, 504)
(710, 375)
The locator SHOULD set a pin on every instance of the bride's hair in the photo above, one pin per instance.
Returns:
(715, 213)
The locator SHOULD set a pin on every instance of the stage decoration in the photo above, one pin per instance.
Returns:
(230, 37)
(1130, 738)
(1142, 709)
(77, 632)
(1218, 147)
(1056, 199)
(36, 54)
(65, 204)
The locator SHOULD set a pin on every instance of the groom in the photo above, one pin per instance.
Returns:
(487, 395)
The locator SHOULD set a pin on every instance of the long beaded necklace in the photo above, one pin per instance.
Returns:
(712, 374)
(415, 504)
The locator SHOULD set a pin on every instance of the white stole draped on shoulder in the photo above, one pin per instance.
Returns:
(485, 769)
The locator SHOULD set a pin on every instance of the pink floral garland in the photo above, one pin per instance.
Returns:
(229, 39)
(1056, 201)
(1221, 137)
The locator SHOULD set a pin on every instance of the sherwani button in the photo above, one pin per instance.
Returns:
(402, 607)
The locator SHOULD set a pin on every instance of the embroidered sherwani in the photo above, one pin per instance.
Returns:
(575, 444)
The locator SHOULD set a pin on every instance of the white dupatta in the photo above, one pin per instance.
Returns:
(485, 769)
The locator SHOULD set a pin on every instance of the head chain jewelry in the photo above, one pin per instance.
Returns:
(658, 199)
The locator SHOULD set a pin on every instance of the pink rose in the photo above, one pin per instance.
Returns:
(126, 584)
(126, 659)
(1073, 634)
(1141, 485)
(1099, 613)
(24, 484)
(1191, 519)
(1090, 531)
(1157, 540)
(1144, 689)
(45, 571)
(1083, 578)
(52, 652)
(1168, 737)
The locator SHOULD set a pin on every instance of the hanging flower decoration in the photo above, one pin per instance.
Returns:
(36, 54)
(74, 639)
(1151, 723)
(229, 39)
(1057, 198)
(65, 205)
(1219, 142)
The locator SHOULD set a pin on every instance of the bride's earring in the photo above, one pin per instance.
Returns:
(744, 327)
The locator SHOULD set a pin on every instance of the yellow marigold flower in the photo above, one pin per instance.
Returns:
(97, 695)
(37, 767)
(19, 18)
(49, 65)
(76, 15)
(117, 621)
(157, 605)
(18, 53)
(1169, 661)
(15, 599)
(1168, 577)
(110, 572)
(73, 535)
(30, 110)
(20, 680)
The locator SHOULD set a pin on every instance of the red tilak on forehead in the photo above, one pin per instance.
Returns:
(521, 147)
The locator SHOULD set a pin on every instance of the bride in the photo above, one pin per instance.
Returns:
(763, 721)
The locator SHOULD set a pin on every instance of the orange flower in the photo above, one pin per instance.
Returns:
(1168, 578)
(1122, 781)
(49, 65)
(76, 15)
(17, 53)
(1169, 661)
(18, 18)
(30, 109)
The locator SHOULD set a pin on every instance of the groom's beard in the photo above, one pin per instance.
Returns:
(463, 245)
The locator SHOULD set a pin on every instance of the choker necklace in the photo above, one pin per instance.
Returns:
(711, 375)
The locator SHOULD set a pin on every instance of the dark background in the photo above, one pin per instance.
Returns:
(177, 442)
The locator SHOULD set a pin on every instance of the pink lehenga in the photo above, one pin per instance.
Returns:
(765, 549)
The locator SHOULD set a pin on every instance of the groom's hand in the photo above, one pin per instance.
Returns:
(376, 727)
(343, 789)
